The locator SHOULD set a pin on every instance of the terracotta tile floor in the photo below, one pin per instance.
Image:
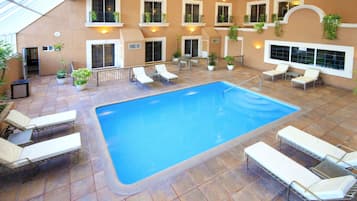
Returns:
(330, 114)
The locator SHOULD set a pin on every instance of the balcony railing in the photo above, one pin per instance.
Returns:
(224, 19)
(99, 19)
(189, 18)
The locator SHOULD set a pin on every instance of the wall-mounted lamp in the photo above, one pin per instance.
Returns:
(192, 29)
(296, 2)
(153, 30)
(104, 31)
(258, 45)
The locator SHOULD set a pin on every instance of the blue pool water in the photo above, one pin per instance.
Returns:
(147, 135)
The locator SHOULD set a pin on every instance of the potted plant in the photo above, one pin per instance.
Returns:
(164, 17)
(61, 76)
(147, 17)
(233, 33)
(58, 47)
(246, 19)
(92, 16)
(230, 62)
(116, 16)
(176, 56)
(211, 61)
(81, 77)
(189, 18)
(222, 18)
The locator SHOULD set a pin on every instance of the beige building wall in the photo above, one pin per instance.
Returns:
(299, 30)
(69, 19)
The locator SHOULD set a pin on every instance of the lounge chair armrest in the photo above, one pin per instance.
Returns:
(31, 126)
(346, 147)
(23, 159)
(340, 160)
(306, 189)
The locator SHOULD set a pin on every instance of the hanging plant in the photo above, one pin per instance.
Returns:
(259, 27)
(331, 23)
(233, 33)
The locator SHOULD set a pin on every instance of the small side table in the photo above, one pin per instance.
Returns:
(328, 169)
(21, 138)
(289, 75)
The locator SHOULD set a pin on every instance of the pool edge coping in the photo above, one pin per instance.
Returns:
(111, 176)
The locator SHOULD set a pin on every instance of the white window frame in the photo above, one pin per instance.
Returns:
(250, 4)
(142, 9)
(216, 13)
(276, 4)
(117, 51)
(101, 24)
(184, 2)
(163, 42)
(349, 54)
(192, 38)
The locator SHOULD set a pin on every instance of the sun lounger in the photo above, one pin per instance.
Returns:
(23, 122)
(310, 75)
(13, 156)
(298, 178)
(281, 69)
(161, 70)
(317, 147)
(140, 75)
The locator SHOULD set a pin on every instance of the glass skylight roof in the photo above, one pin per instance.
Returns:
(17, 14)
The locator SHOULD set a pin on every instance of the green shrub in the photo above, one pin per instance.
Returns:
(81, 76)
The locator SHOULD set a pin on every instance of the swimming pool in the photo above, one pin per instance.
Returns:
(147, 135)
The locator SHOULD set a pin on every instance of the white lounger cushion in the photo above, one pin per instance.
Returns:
(288, 171)
(279, 70)
(162, 71)
(318, 147)
(140, 75)
(281, 166)
(23, 122)
(39, 151)
(335, 187)
(9, 152)
(310, 75)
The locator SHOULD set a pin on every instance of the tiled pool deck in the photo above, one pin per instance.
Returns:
(329, 113)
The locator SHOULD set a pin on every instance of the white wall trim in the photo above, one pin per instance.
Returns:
(276, 4)
(191, 38)
(249, 5)
(348, 25)
(319, 11)
(163, 8)
(349, 54)
(89, 8)
(184, 2)
(163, 40)
(222, 4)
(117, 48)
(226, 39)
